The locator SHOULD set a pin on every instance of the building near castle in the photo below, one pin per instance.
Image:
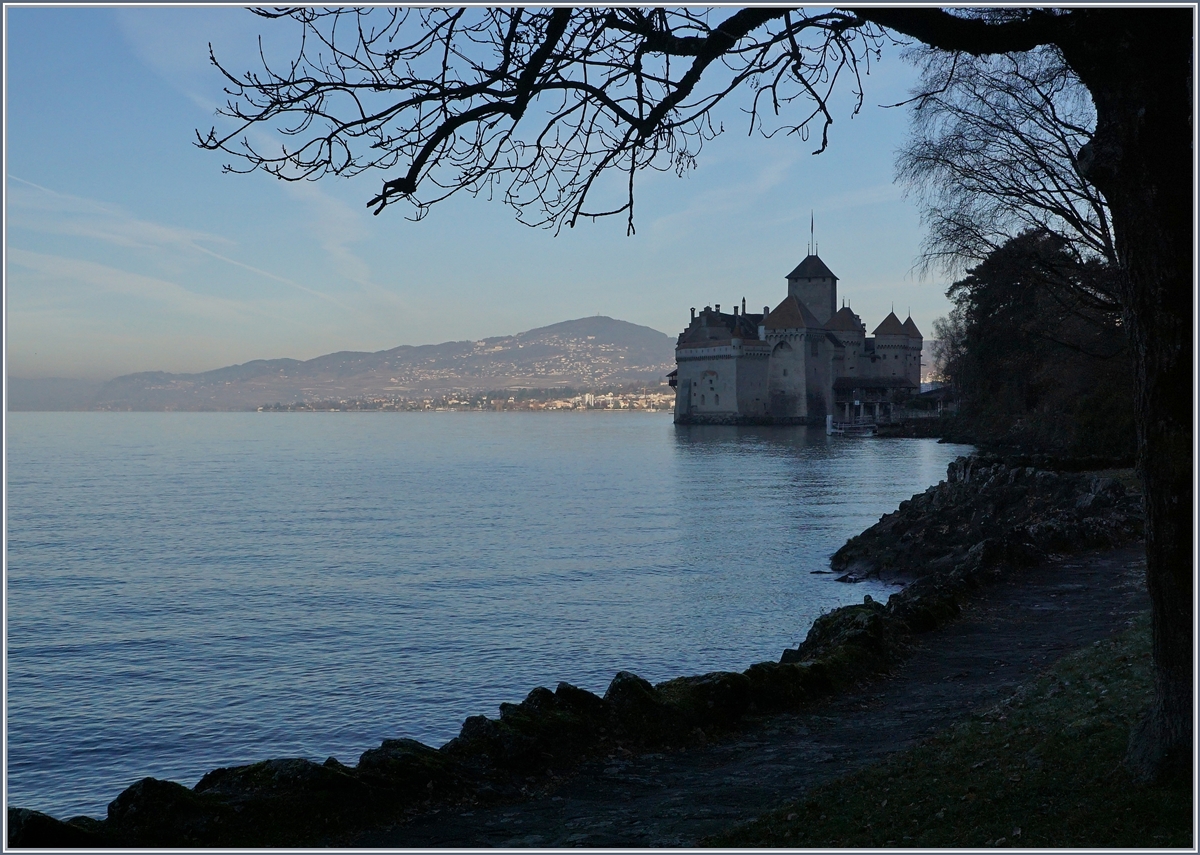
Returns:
(797, 363)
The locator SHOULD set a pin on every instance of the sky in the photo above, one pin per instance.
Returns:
(127, 249)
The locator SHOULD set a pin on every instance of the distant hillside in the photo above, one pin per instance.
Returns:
(585, 353)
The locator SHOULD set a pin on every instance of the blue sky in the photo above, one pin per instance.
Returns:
(127, 249)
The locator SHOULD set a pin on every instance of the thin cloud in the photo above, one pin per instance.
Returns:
(733, 196)
(51, 212)
(336, 226)
(179, 54)
(100, 279)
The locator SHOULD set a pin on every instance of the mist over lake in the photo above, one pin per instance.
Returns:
(193, 590)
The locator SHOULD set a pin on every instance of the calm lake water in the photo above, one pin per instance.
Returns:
(188, 591)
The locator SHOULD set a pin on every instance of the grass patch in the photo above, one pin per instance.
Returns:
(1042, 769)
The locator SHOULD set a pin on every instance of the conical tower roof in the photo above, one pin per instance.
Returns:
(911, 328)
(891, 326)
(844, 320)
(791, 314)
(811, 268)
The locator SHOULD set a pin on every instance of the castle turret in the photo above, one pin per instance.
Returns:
(915, 344)
(814, 285)
(891, 347)
(848, 328)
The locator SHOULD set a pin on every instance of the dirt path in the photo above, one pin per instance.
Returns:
(1005, 636)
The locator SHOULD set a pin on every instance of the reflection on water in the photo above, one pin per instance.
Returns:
(187, 591)
(826, 488)
(754, 436)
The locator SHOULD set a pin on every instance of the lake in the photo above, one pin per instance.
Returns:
(193, 590)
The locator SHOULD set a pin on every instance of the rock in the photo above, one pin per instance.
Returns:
(165, 814)
(640, 711)
(289, 801)
(293, 801)
(408, 767)
(550, 728)
(848, 643)
(1020, 510)
(1102, 493)
(282, 778)
(715, 701)
(477, 743)
(31, 829)
(859, 626)
(925, 605)
(547, 729)
(781, 686)
(540, 700)
(582, 702)
(991, 516)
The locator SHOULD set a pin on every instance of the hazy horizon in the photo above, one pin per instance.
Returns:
(101, 380)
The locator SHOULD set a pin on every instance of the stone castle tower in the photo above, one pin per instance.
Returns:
(814, 285)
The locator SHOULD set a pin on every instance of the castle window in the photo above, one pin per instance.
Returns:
(701, 399)
(785, 372)
(716, 399)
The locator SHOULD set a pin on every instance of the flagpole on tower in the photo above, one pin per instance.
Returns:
(811, 231)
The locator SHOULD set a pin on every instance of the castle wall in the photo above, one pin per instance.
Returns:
(752, 380)
(868, 363)
(819, 355)
(893, 354)
(914, 361)
(786, 381)
(707, 381)
(820, 295)
(721, 384)
(851, 361)
(837, 365)
(683, 392)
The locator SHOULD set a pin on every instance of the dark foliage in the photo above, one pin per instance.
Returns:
(1040, 360)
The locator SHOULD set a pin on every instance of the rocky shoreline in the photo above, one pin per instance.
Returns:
(990, 518)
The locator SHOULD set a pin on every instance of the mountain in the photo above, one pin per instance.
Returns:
(588, 353)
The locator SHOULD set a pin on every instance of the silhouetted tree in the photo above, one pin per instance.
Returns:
(1137, 66)
(1034, 361)
(539, 106)
(991, 156)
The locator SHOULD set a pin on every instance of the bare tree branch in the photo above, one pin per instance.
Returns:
(992, 153)
(534, 107)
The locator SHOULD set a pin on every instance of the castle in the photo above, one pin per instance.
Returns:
(797, 363)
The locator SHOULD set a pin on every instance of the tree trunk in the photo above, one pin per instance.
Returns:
(1137, 64)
